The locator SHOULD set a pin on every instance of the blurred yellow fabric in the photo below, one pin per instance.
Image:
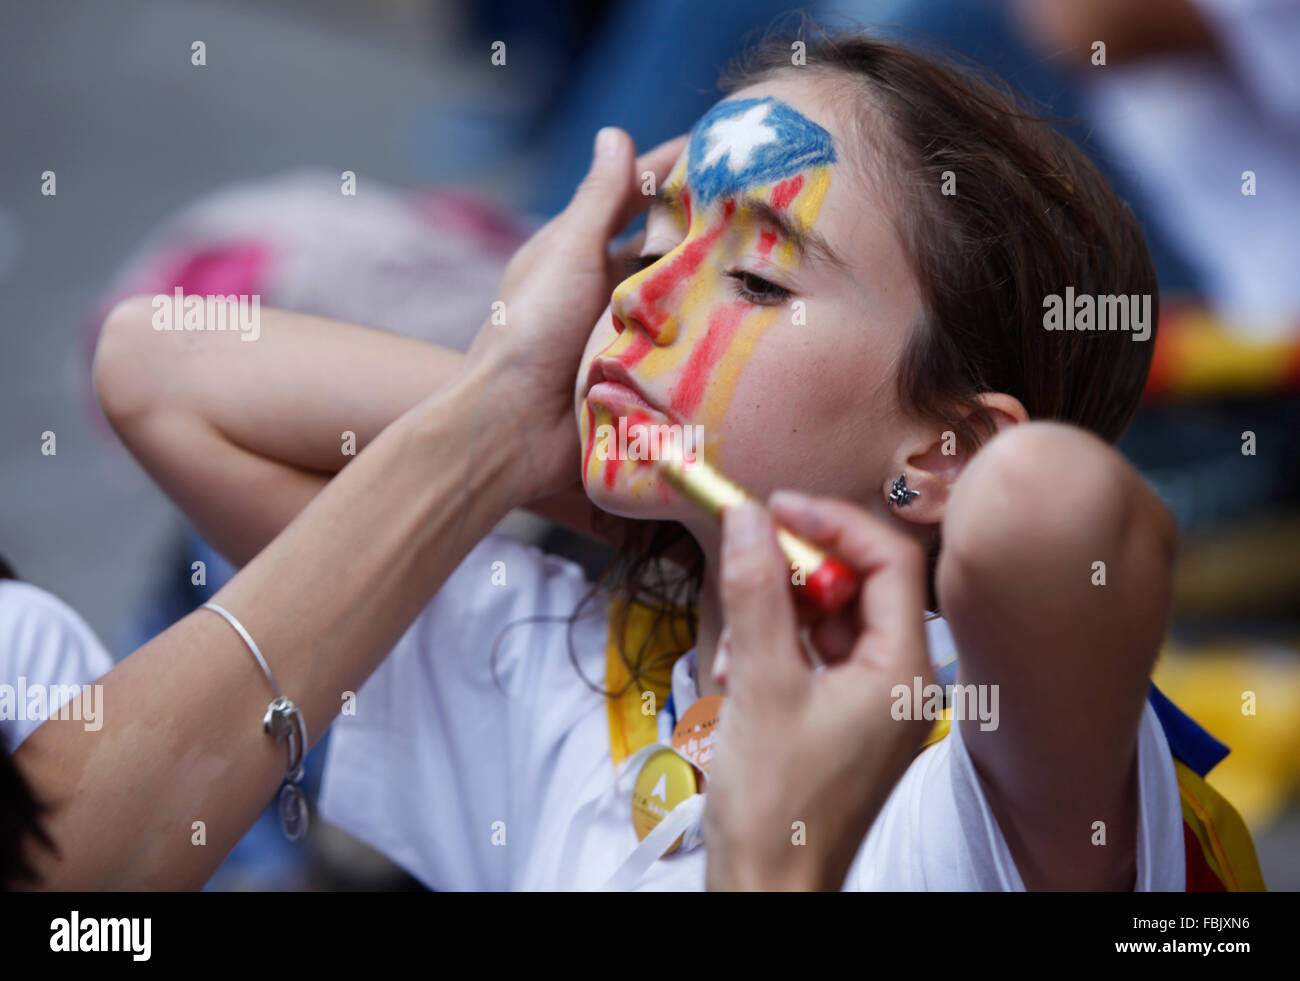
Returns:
(1247, 696)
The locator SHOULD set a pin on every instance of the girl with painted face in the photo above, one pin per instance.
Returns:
(840, 291)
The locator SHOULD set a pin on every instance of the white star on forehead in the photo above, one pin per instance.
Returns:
(739, 136)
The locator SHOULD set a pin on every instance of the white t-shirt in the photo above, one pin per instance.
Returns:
(45, 650)
(471, 782)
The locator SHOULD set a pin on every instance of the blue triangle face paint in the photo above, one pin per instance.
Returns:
(746, 142)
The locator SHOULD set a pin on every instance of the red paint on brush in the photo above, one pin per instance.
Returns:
(787, 191)
(723, 325)
(832, 586)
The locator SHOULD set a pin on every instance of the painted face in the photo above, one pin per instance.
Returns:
(771, 298)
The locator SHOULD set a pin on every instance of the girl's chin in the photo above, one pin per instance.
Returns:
(631, 491)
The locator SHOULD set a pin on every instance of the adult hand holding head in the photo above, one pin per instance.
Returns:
(554, 289)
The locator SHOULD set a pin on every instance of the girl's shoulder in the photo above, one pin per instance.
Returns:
(41, 634)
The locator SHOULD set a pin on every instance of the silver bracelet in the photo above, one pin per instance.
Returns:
(284, 721)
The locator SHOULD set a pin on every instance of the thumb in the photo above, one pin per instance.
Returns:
(757, 606)
(593, 213)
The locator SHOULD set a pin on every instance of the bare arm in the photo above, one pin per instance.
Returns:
(188, 704)
(181, 739)
(242, 435)
(1072, 658)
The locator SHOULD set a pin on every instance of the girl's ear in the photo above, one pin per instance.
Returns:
(925, 469)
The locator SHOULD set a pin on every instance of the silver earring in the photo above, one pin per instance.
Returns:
(900, 496)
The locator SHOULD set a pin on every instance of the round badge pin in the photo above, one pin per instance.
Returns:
(696, 732)
(664, 782)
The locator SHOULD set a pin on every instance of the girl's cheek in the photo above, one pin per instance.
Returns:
(736, 330)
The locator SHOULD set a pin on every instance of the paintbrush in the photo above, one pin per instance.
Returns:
(819, 580)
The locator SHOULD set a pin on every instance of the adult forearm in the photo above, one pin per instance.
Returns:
(241, 436)
(287, 396)
(181, 739)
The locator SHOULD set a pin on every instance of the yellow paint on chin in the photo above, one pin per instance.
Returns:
(638, 477)
(593, 417)
(584, 425)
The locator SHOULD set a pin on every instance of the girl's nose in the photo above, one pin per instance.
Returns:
(650, 299)
(640, 302)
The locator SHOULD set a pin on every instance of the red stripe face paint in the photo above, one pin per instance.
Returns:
(641, 346)
(649, 309)
(787, 191)
(636, 345)
(723, 324)
(642, 435)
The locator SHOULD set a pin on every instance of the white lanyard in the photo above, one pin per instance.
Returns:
(685, 820)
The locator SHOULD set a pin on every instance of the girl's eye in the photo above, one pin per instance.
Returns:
(636, 263)
(755, 289)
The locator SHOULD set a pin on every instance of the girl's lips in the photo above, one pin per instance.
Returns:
(619, 398)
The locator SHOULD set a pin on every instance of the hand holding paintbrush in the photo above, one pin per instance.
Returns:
(798, 748)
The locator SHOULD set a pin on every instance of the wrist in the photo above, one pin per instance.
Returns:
(484, 400)
(748, 864)
(743, 876)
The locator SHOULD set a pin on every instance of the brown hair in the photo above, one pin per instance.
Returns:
(1031, 216)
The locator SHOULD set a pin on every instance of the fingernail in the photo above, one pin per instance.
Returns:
(607, 142)
(743, 526)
